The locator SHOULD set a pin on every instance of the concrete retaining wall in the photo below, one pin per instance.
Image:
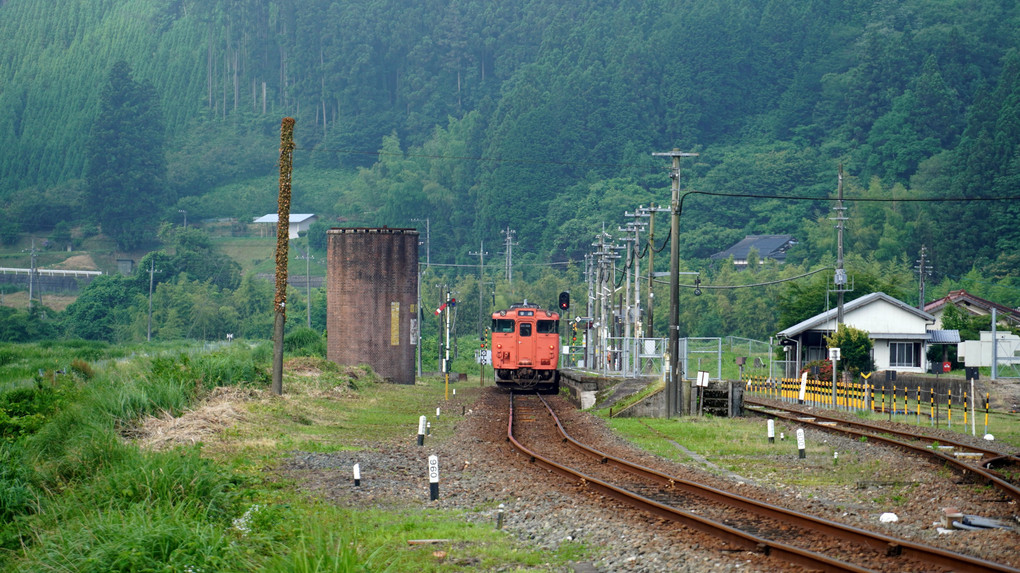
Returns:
(586, 390)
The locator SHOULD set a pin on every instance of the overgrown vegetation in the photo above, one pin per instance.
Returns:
(78, 493)
(464, 120)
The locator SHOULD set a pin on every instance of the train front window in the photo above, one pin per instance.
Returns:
(525, 329)
(503, 325)
(548, 327)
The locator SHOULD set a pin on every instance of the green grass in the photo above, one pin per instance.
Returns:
(77, 496)
(741, 445)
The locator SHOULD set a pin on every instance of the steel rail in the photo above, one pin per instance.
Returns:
(883, 544)
(812, 561)
(996, 454)
(801, 418)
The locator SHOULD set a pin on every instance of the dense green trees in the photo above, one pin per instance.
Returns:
(125, 166)
(462, 114)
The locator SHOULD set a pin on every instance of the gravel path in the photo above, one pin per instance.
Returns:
(480, 470)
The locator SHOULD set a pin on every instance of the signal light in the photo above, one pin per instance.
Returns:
(564, 300)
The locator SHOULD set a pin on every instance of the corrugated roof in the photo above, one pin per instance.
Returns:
(293, 218)
(944, 336)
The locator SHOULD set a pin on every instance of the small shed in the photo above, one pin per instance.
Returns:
(298, 223)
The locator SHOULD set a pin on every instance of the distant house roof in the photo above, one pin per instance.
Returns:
(275, 218)
(768, 247)
(974, 304)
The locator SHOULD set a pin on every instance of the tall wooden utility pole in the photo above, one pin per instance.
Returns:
(676, 402)
(282, 243)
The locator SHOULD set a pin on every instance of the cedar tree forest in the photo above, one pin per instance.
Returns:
(535, 117)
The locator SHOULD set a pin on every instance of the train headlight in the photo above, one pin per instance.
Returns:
(502, 313)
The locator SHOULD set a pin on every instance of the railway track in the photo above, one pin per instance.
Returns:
(737, 522)
(918, 443)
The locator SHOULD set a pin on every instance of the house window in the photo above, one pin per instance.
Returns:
(904, 355)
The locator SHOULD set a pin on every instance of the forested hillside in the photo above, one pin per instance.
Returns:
(541, 117)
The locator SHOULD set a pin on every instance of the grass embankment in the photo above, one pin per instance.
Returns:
(86, 486)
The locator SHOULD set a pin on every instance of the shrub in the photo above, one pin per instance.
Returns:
(824, 369)
(23, 411)
(82, 369)
(305, 342)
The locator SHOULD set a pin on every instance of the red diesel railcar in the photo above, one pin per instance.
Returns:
(526, 348)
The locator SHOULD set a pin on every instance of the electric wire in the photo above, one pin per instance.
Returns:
(751, 285)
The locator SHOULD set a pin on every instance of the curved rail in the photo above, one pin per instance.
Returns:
(995, 454)
(883, 544)
(802, 418)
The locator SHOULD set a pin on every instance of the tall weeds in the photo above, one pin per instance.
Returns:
(76, 495)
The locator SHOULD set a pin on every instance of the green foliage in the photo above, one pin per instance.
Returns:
(23, 326)
(305, 341)
(24, 410)
(969, 325)
(824, 369)
(232, 366)
(9, 230)
(190, 252)
(457, 114)
(18, 496)
(125, 166)
(139, 538)
(855, 349)
(180, 478)
(320, 549)
(100, 310)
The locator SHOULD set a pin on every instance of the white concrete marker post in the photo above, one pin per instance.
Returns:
(800, 444)
(772, 431)
(421, 430)
(834, 357)
(433, 478)
(357, 475)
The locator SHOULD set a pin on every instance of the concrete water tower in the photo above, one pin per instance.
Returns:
(371, 299)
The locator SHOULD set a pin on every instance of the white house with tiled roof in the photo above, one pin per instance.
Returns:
(900, 332)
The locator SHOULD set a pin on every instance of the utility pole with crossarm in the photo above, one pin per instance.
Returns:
(676, 402)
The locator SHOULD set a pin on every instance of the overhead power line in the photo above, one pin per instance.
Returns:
(731, 287)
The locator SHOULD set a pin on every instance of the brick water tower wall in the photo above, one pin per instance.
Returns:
(371, 299)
